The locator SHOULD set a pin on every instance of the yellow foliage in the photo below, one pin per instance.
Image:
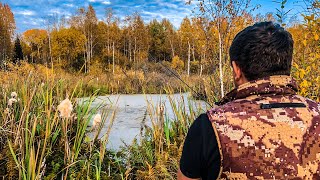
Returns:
(304, 42)
(307, 57)
(68, 44)
(177, 63)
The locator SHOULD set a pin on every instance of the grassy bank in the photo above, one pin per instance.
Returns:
(43, 130)
(43, 127)
(158, 81)
(43, 134)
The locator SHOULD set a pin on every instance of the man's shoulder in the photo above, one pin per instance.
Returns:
(232, 108)
(202, 122)
(248, 107)
(313, 104)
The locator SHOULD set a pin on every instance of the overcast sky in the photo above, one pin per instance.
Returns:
(30, 13)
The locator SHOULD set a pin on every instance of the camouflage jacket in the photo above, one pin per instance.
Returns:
(266, 131)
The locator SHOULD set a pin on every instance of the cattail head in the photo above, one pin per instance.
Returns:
(161, 107)
(65, 108)
(12, 101)
(14, 95)
(7, 111)
(96, 120)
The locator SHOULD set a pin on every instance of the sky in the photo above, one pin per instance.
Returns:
(31, 14)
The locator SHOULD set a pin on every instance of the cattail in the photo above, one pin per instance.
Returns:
(65, 108)
(12, 101)
(7, 111)
(14, 95)
(161, 108)
(96, 120)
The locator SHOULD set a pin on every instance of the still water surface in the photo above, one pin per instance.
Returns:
(131, 113)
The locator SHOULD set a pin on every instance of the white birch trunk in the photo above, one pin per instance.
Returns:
(172, 49)
(189, 58)
(113, 58)
(130, 58)
(220, 65)
(50, 49)
(201, 66)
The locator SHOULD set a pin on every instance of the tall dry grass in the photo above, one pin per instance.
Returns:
(43, 129)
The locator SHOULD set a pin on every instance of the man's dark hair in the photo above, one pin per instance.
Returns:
(262, 50)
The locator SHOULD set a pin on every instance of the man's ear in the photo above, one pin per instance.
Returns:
(236, 70)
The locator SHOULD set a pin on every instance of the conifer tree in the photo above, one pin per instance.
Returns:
(17, 54)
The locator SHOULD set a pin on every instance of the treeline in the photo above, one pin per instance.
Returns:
(82, 40)
(199, 46)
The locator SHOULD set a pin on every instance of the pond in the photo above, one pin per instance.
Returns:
(132, 114)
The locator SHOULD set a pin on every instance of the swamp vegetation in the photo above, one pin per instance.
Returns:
(44, 127)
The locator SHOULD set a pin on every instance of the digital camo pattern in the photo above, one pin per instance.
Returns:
(278, 143)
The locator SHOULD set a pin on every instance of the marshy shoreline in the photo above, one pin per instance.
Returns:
(133, 113)
(45, 131)
(38, 142)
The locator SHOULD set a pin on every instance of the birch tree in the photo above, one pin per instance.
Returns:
(114, 36)
(222, 14)
(141, 39)
(86, 21)
(170, 36)
(91, 22)
(51, 25)
(186, 34)
(201, 41)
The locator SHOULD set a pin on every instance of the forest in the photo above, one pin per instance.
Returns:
(82, 56)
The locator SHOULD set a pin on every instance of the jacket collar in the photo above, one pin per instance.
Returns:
(272, 85)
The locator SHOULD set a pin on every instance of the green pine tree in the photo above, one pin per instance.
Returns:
(18, 54)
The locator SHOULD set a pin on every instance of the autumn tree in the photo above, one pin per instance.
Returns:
(306, 55)
(115, 36)
(141, 40)
(7, 28)
(86, 21)
(36, 39)
(109, 36)
(170, 36)
(91, 27)
(187, 40)
(103, 43)
(51, 23)
(222, 14)
(177, 64)
(136, 39)
(201, 41)
(26, 49)
(68, 46)
(127, 38)
(157, 50)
